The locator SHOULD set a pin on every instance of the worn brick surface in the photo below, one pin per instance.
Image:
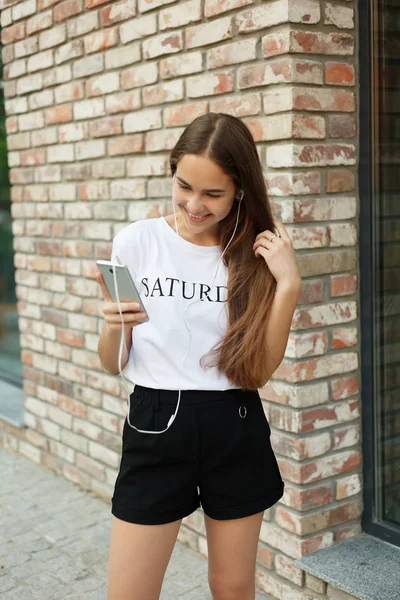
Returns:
(96, 95)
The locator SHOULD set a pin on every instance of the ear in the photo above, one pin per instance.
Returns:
(240, 195)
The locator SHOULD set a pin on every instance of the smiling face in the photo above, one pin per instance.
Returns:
(204, 195)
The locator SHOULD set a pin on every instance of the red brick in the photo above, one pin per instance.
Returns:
(306, 499)
(162, 139)
(287, 568)
(243, 105)
(339, 15)
(72, 406)
(323, 99)
(337, 73)
(33, 157)
(39, 22)
(7, 55)
(317, 368)
(165, 43)
(343, 285)
(286, 184)
(13, 34)
(273, 72)
(77, 249)
(59, 114)
(183, 115)
(344, 533)
(11, 125)
(67, 9)
(326, 519)
(344, 337)
(118, 11)
(50, 248)
(100, 40)
(210, 83)
(265, 557)
(216, 7)
(106, 127)
(311, 292)
(344, 387)
(339, 180)
(323, 467)
(342, 126)
(129, 144)
(237, 52)
(346, 437)
(322, 43)
(171, 91)
(123, 102)
(327, 154)
(54, 317)
(42, 4)
(289, 40)
(94, 3)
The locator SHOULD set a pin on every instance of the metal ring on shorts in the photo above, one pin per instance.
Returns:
(240, 414)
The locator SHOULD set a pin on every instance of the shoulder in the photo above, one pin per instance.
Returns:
(133, 243)
(138, 231)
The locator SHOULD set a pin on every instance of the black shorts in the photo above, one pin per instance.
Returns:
(210, 456)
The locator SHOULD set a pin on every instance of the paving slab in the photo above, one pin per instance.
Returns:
(54, 541)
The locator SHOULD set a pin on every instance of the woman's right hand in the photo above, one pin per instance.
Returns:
(132, 315)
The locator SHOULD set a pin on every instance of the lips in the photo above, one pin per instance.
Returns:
(197, 219)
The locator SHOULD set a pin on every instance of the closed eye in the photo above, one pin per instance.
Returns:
(188, 188)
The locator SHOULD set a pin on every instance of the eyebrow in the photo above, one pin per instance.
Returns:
(211, 190)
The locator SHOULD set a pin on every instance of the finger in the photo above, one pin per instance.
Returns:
(112, 307)
(102, 284)
(127, 318)
(267, 234)
(265, 243)
(118, 326)
(281, 230)
(262, 252)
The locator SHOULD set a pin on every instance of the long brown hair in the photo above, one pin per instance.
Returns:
(242, 352)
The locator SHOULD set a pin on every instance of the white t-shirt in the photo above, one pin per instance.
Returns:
(173, 275)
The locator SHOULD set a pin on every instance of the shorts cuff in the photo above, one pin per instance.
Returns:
(245, 510)
(142, 517)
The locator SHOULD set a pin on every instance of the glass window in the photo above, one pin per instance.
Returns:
(10, 364)
(379, 185)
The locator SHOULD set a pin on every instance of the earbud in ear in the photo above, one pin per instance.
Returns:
(240, 196)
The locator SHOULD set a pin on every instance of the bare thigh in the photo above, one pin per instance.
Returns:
(139, 556)
(232, 553)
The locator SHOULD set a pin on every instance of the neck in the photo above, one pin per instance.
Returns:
(210, 237)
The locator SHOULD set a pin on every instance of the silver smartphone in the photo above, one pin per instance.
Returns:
(127, 290)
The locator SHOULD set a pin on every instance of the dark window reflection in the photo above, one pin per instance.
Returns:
(10, 365)
(386, 272)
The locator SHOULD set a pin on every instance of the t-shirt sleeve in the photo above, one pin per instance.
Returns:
(126, 248)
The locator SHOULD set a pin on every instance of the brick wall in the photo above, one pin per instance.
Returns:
(97, 93)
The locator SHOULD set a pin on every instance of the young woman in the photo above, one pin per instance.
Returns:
(220, 283)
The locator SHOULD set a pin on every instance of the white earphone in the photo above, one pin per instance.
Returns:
(172, 417)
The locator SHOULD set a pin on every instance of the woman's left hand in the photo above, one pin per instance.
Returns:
(277, 250)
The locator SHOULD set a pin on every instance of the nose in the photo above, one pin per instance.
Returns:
(194, 203)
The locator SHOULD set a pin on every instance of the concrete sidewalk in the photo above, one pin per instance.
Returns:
(54, 541)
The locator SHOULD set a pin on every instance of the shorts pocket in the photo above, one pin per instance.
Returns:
(141, 415)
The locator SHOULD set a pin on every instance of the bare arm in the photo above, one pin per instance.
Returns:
(110, 339)
(108, 348)
(279, 321)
